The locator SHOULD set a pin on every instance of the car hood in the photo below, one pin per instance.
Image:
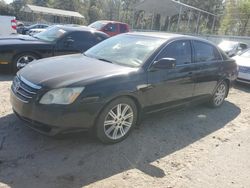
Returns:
(67, 70)
(242, 61)
(19, 39)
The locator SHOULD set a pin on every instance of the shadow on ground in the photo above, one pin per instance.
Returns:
(29, 159)
(5, 74)
(243, 87)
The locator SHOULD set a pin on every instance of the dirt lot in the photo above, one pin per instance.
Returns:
(197, 147)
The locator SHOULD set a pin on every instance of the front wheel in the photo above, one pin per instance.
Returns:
(220, 94)
(116, 120)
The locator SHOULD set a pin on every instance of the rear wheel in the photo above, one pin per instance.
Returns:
(22, 60)
(219, 95)
(116, 120)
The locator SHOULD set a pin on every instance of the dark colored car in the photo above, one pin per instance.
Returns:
(111, 28)
(112, 85)
(25, 29)
(20, 50)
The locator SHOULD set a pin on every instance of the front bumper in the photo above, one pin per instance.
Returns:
(56, 119)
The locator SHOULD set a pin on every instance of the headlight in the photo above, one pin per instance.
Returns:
(61, 96)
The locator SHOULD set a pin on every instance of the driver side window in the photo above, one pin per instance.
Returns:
(179, 50)
(111, 27)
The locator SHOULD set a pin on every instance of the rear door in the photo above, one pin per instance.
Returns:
(208, 61)
(173, 86)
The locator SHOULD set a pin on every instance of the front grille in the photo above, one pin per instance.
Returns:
(24, 90)
(243, 69)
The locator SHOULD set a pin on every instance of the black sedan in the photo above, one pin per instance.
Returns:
(18, 51)
(112, 85)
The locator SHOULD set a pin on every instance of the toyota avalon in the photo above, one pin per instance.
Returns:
(114, 84)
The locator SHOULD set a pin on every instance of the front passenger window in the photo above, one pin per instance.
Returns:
(179, 50)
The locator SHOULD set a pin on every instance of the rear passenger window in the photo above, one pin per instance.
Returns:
(179, 50)
(205, 52)
(100, 37)
(123, 28)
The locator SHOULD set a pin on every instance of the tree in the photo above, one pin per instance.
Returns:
(236, 18)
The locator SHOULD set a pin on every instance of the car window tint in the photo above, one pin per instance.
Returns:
(100, 37)
(123, 28)
(111, 27)
(80, 37)
(205, 52)
(243, 46)
(179, 50)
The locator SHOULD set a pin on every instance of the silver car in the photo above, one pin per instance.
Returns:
(243, 61)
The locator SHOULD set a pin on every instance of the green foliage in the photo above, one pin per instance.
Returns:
(236, 18)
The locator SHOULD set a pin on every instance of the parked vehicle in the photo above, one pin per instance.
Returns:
(113, 84)
(243, 61)
(111, 28)
(25, 29)
(8, 25)
(32, 32)
(232, 48)
(20, 50)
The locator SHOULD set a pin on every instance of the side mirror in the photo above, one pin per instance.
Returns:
(68, 42)
(165, 63)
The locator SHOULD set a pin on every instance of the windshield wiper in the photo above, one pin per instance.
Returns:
(106, 60)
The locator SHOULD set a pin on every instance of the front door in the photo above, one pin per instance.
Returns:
(172, 86)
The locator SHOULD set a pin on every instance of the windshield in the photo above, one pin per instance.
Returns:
(246, 54)
(51, 34)
(98, 25)
(227, 45)
(127, 50)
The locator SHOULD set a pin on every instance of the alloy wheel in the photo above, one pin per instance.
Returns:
(24, 60)
(118, 121)
(220, 94)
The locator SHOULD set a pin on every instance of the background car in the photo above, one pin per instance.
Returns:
(232, 48)
(20, 50)
(32, 32)
(25, 29)
(243, 61)
(111, 28)
(112, 85)
(8, 25)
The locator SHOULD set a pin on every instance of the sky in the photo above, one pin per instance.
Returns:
(8, 1)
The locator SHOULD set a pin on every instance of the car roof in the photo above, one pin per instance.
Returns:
(168, 36)
(110, 21)
(79, 28)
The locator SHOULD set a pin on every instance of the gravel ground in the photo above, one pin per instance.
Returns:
(197, 147)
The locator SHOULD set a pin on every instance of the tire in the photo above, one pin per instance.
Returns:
(219, 95)
(22, 60)
(114, 125)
